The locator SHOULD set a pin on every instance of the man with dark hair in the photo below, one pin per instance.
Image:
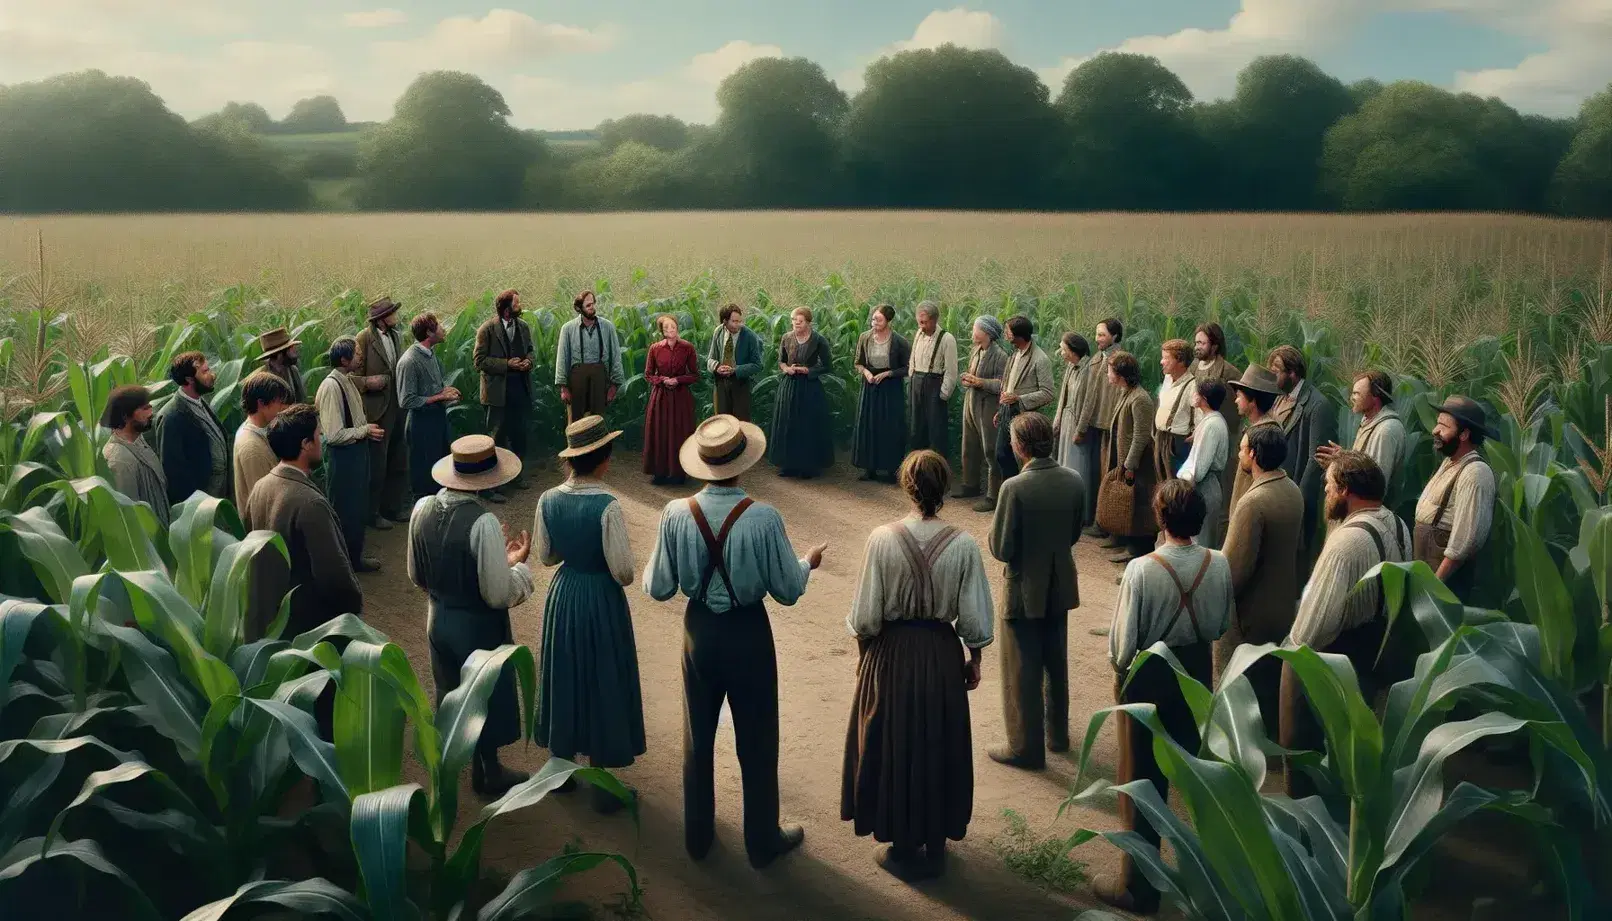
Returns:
(1209, 350)
(1096, 415)
(263, 396)
(424, 397)
(1310, 421)
(1210, 455)
(347, 439)
(1037, 522)
(287, 503)
(378, 346)
(1254, 394)
(135, 470)
(932, 369)
(1079, 456)
(1335, 615)
(982, 384)
(503, 355)
(195, 451)
(587, 361)
(733, 359)
(1381, 434)
(281, 357)
(1456, 508)
(1027, 385)
(1262, 546)
(1179, 595)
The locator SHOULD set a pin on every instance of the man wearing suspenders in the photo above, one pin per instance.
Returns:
(1335, 617)
(728, 649)
(1179, 594)
(933, 370)
(1457, 507)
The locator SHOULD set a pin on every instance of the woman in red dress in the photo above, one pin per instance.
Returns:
(670, 370)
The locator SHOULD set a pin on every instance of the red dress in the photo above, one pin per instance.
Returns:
(670, 418)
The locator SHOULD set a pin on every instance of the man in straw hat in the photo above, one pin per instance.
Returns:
(1254, 393)
(503, 355)
(378, 348)
(474, 572)
(1456, 508)
(280, 358)
(726, 571)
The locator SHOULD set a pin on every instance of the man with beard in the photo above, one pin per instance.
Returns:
(1457, 507)
(1209, 352)
(1310, 422)
(1381, 435)
(378, 347)
(348, 437)
(983, 380)
(1096, 414)
(287, 503)
(733, 359)
(932, 368)
(503, 355)
(587, 361)
(195, 451)
(136, 472)
(425, 398)
(282, 359)
(1335, 616)
(1027, 385)
(263, 396)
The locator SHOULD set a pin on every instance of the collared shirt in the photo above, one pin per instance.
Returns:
(1177, 395)
(935, 354)
(887, 587)
(759, 557)
(580, 343)
(502, 585)
(419, 375)
(1148, 600)
(1471, 508)
(1210, 447)
(1331, 603)
(336, 389)
(617, 549)
(384, 342)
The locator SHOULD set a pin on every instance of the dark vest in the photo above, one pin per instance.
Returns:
(444, 559)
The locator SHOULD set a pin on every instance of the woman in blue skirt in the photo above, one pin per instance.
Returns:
(589, 701)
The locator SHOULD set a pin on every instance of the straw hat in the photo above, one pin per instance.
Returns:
(586, 435)
(721, 448)
(476, 464)
(383, 307)
(1257, 379)
(276, 340)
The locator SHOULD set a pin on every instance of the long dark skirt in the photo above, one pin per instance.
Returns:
(802, 438)
(589, 700)
(909, 758)
(881, 427)
(428, 439)
(347, 474)
(454, 633)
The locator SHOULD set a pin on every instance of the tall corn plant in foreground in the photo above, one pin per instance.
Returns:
(1349, 852)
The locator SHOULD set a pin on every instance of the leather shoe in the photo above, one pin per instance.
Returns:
(520, 485)
(1122, 556)
(368, 564)
(1001, 754)
(491, 779)
(1110, 889)
(966, 494)
(909, 866)
(1094, 531)
(985, 505)
(789, 837)
(698, 843)
(381, 524)
(495, 497)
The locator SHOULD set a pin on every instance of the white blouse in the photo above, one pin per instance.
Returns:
(886, 588)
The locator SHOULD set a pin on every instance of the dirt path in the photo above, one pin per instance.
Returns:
(833, 875)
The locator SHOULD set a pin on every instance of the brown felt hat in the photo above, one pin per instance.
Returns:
(1466, 411)
(475, 463)
(1257, 379)
(586, 435)
(276, 340)
(383, 307)
(722, 447)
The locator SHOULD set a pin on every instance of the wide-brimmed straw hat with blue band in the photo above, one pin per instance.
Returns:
(587, 435)
(722, 447)
(476, 464)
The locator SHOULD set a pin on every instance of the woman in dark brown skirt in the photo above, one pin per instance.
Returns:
(909, 760)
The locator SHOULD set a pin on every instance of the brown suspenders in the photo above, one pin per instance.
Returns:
(1444, 501)
(715, 544)
(1186, 594)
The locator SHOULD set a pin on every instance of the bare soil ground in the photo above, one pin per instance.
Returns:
(833, 875)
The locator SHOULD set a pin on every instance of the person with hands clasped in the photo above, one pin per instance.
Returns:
(503, 355)
(670, 369)
(347, 440)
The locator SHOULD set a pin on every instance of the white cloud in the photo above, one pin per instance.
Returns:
(1575, 64)
(960, 26)
(712, 67)
(375, 19)
(501, 39)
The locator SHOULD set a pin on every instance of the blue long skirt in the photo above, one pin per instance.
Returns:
(589, 702)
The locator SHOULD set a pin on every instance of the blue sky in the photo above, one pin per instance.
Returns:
(572, 63)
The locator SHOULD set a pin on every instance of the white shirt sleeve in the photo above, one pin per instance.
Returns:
(542, 547)
(975, 624)
(948, 360)
(329, 400)
(1122, 638)
(1471, 512)
(867, 601)
(617, 549)
(502, 585)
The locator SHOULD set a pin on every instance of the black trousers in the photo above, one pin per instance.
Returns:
(730, 656)
(1035, 685)
(1006, 460)
(389, 468)
(508, 424)
(347, 483)
(927, 415)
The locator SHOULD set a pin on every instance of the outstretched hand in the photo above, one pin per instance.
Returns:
(517, 548)
(814, 556)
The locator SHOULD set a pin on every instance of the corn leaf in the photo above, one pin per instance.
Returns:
(306, 898)
(463, 714)
(84, 855)
(381, 823)
(534, 888)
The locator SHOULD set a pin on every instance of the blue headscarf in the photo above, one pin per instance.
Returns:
(990, 325)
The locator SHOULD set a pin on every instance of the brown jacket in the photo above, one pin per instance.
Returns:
(1243, 479)
(492, 355)
(370, 359)
(1038, 519)
(286, 502)
(1128, 443)
(1262, 546)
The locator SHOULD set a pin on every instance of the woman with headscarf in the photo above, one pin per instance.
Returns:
(802, 442)
(1077, 456)
(983, 383)
(881, 431)
(670, 370)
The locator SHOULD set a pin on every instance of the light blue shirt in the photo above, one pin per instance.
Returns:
(758, 554)
(595, 345)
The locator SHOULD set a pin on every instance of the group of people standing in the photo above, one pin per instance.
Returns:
(1237, 518)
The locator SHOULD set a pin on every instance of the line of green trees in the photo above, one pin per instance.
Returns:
(932, 128)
